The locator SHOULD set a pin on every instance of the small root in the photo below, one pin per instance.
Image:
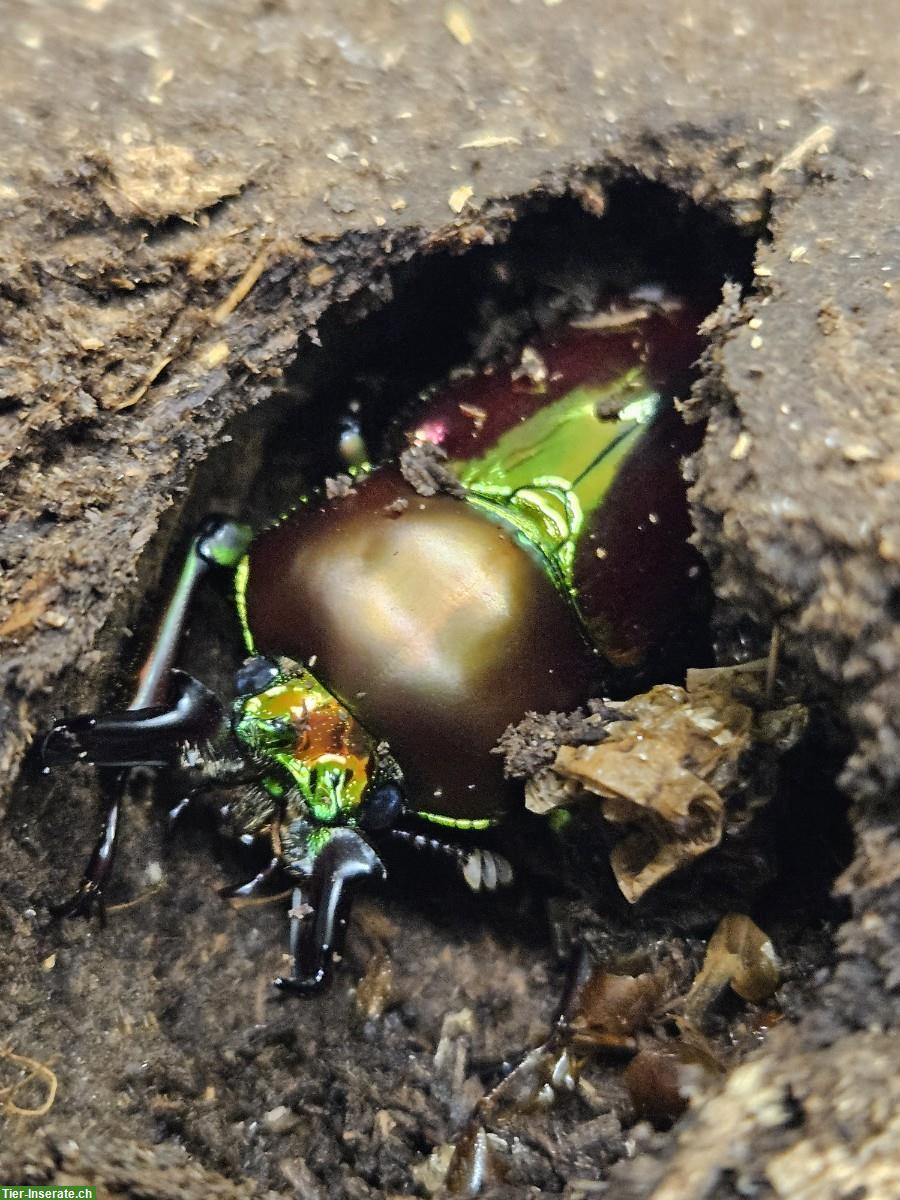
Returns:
(36, 1070)
(258, 901)
(242, 288)
(190, 324)
(772, 662)
(144, 896)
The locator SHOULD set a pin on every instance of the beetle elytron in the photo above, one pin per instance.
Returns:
(393, 636)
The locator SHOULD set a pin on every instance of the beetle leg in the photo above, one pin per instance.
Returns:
(252, 886)
(218, 542)
(479, 868)
(153, 718)
(146, 736)
(89, 893)
(319, 925)
(549, 1070)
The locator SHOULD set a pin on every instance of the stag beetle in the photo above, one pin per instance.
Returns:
(394, 635)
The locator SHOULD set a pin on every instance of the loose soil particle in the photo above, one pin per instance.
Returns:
(184, 197)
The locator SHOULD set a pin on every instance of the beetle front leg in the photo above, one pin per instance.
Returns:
(149, 730)
(318, 927)
(219, 542)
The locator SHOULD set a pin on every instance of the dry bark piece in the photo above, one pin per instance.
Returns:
(424, 467)
(547, 789)
(663, 771)
(666, 769)
(164, 179)
(532, 743)
(339, 486)
(848, 1096)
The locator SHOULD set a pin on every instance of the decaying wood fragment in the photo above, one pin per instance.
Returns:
(668, 766)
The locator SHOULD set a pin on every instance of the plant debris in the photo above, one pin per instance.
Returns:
(624, 1023)
(35, 1071)
(740, 956)
(533, 742)
(424, 467)
(668, 766)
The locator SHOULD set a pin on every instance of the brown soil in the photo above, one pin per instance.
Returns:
(191, 202)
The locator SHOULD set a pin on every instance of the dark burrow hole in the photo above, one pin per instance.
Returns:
(451, 310)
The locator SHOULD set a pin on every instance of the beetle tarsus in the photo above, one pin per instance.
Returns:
(86, 900)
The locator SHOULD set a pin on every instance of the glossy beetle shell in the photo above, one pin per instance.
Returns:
(432, 624)
(643, 589)
(437, 623)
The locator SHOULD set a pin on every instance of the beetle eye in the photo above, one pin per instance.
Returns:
(255, 675)
(382, 807)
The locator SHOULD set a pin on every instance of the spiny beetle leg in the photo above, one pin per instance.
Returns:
(177, 811)
(542, 1074)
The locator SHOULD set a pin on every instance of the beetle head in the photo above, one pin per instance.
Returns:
(296, 723)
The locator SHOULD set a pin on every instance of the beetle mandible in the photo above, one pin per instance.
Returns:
(394, 635)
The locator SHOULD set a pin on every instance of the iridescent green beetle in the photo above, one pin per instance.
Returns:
(395, 632)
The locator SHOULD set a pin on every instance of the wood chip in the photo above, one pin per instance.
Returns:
(489, 141)
(457, 21)
(460, 197)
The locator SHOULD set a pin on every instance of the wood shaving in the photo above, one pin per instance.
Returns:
(457, 21)
(489, 141)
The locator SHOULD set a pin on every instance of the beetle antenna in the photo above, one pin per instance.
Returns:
(481, 869)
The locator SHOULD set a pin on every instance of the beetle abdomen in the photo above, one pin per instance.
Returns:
(433, 623)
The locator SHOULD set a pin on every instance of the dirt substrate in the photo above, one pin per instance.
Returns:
(200, 211)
